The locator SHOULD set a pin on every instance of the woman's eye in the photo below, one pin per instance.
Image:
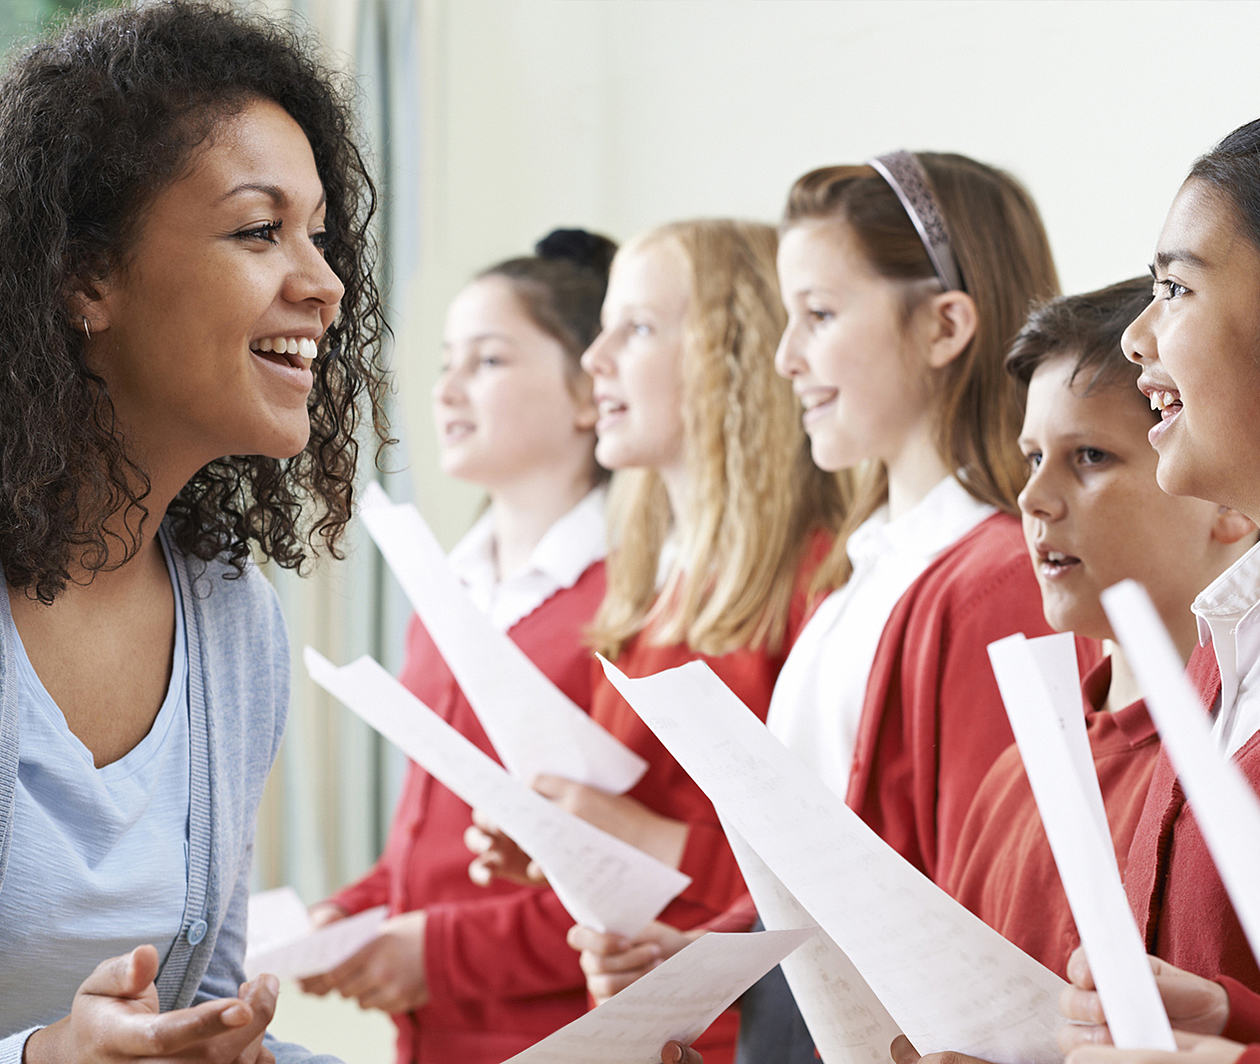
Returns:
(1032, 460)
(1170, 288)
(265, 232)
(818, 316)
(320, 240)
(1091, 456)
(640, 328)
(490, 360)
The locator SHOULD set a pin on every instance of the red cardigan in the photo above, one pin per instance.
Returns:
(1003, 869)
(666, 788)
(500, 973)
(933, 721)
(1181, 906)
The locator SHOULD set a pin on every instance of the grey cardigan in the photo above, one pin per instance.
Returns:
(238, 693)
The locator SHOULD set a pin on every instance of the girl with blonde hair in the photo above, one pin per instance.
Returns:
(904, 281)
(717, 519)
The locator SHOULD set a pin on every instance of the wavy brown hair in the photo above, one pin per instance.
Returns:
(94, 123)
(756, 497)
(1004, 256)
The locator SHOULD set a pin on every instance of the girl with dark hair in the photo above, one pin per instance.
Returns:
(470, 973)
(192, 336)
(1197, 344)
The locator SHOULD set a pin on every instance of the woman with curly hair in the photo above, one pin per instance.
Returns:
(192, 336)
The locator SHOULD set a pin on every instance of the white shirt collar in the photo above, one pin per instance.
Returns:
(567, 549)
(1228, 612)
(943, 515)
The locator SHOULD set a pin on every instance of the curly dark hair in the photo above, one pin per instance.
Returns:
(94, 123)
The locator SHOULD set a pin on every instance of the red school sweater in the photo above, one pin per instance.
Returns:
(933, 720)
(1003, 869)
(500, 973)
(1182, 909)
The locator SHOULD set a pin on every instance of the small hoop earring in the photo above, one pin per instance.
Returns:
(87, 331)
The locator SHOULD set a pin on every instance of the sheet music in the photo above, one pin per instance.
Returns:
(282, 941)
(844, 1017)
(533, 725)
(677, 1000)
(948, 980)
(603, 882)
(1060, 769)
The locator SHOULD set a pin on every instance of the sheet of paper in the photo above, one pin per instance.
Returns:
(1068, 799)
(949, 981)
(534, 726)
(678, 1001)
(844, 1017)
(603, 882)
(1225, 806)
(274, 917)
(317, 950)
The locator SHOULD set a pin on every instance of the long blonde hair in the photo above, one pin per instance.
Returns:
(756, 497)
(1004, 256)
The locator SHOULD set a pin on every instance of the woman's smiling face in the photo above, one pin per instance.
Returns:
(1198, 344)
(206, 331)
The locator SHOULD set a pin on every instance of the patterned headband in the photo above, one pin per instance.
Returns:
(906, 177)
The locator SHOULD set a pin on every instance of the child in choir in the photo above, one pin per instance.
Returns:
(192, 335)
(1198, 347)
(1091, 494)
(718, 522)
(894, 345)
(467, 973)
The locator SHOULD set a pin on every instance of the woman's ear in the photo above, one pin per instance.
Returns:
(1230, 526)
(952, 324)
(87, 305)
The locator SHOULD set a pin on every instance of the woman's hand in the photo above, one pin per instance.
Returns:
(612, 962)
(677, 1053)
(387, 973)
(115, 1018)
(1194, 1004)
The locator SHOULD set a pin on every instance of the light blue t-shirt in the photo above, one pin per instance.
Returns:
(99, 857)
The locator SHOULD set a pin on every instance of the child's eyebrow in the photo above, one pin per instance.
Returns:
(1164, 259)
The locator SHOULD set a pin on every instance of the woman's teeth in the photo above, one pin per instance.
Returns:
(1162, 400)
(303, 346)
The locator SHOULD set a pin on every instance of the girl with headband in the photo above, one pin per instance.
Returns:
(471, 974)
(192, 335)
(1198, 346)
(904, 282)
(718, 520)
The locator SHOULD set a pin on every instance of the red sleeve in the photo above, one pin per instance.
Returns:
(471, 938)
(371, 890)
(1243, 1024)
(933, 720)
(1250, 1055)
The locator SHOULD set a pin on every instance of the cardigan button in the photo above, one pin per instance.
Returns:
(196, 932)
